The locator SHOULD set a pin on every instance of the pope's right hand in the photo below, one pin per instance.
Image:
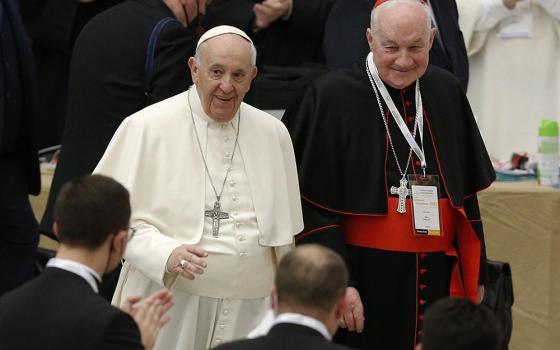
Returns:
(187, 261)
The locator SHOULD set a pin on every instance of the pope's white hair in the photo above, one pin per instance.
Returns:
(253, 49)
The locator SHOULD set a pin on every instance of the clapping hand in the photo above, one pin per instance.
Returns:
(150, 314)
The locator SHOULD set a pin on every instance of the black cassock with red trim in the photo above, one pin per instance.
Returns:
(346, 169)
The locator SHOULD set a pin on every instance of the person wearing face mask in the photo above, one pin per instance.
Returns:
(390, 160)
(61, 308)
(125, 59)
(213, 185)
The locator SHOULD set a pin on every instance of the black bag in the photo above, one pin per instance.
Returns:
(498, 295)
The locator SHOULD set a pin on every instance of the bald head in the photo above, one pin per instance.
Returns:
(393, 14)
(311, 277)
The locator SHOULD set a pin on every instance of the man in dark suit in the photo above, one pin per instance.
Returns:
(308, 300)
(60, 309)
(53, 26)
(130, 56)
(19, 165)
(348, 20)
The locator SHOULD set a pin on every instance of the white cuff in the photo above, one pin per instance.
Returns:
(493, 11)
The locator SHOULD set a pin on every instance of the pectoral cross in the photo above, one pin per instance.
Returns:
(216, 215)
(403, 192)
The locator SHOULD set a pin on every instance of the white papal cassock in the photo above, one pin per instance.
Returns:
(154, 153)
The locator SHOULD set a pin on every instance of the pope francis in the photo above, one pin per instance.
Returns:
(214, 194)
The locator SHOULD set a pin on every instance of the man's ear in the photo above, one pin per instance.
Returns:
(252, 76)
(370, 38)
(55, 230)
(194, 69)
(433, 33)
(118, 241)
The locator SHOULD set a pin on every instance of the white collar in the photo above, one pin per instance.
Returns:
(79, 269)
(303, 321)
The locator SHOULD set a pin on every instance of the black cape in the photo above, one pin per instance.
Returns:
(346, 166)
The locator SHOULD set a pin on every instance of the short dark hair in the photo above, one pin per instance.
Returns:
(90, 208)
(458, 324)
(311, 276)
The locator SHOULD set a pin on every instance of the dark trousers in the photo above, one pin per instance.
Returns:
(18, 227)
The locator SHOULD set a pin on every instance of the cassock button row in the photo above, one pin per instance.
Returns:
(408, 103)
(241, 238)
(420, 333)
(410, 118)
(423, 255)
(421, 317)
(242, 254)
(226, 139)
(417, 163)
(225, 312)
(423, 286)
(423, 271)
(422, 302)
(222, 326)
(227, 155)
(232, 183)
(234, 198)
(218, 341)
(238, 224)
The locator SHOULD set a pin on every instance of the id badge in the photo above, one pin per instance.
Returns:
(425, 204)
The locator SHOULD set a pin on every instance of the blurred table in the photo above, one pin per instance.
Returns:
(522, 226)
(39, 203)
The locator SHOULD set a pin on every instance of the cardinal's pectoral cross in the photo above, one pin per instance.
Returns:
(403, 192)
(216, 215)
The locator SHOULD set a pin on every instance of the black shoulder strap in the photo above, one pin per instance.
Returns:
(151, 51)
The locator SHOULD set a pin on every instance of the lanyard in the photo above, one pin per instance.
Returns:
(372, 69)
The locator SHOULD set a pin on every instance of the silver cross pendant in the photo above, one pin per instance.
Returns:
(403, 192)
(216, 215)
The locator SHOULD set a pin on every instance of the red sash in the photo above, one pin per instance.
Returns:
(395, 232)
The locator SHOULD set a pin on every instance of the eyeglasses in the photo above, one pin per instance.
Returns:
(131, 233)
